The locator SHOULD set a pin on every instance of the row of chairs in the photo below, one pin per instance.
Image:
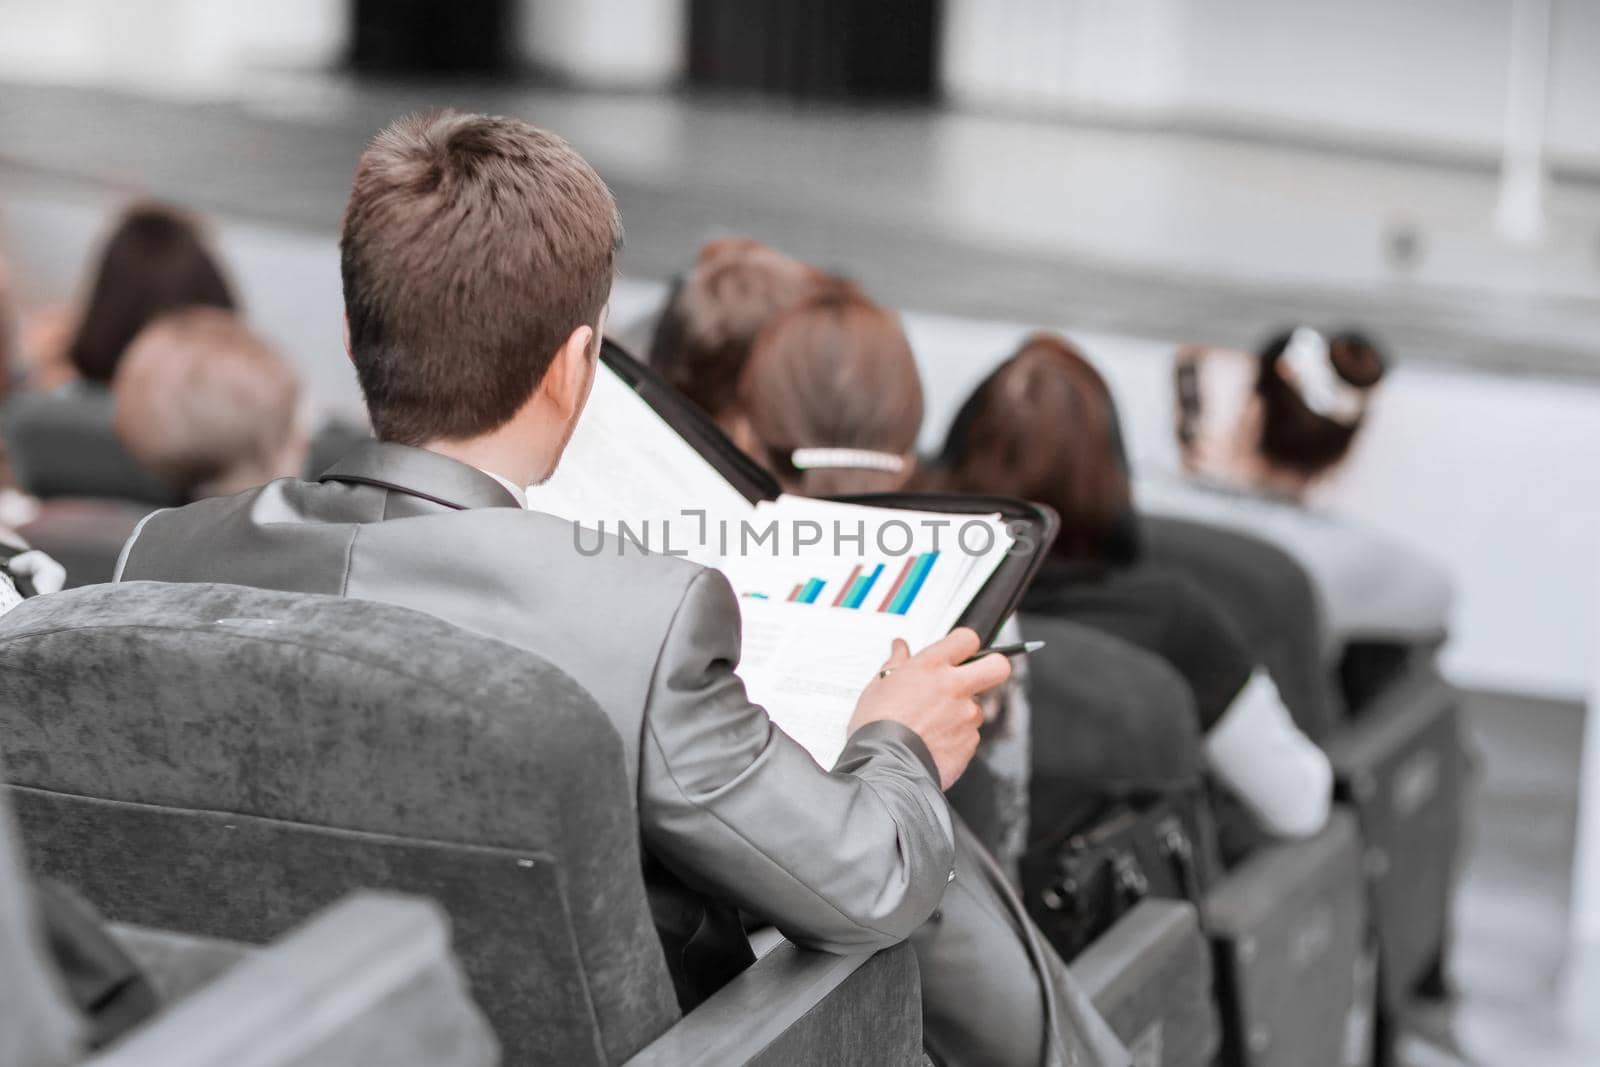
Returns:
(1305, 954)
(1313, 950)
(226, 762)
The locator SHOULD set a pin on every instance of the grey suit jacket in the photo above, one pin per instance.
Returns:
(845, 860)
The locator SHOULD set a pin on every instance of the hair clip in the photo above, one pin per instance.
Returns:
(1318, 383)
(807, 459)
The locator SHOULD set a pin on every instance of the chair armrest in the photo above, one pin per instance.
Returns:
(797, 1006)
(1150, 976)
(1406, 709)
(368, 980)
(177, 964)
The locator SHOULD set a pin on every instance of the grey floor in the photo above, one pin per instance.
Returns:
(1150, 234)
(1512, 909)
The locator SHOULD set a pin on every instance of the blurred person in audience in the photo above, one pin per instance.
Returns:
(207, 405)
(829, 399)
(59, 427)
(154, 261)
(9, 327)
(1278, 421)
(16, 507)
(830, 402)
(1257, 434)
(703, 337)
(477, 256)
(1042, 427)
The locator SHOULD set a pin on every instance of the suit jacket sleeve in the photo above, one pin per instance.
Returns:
(847, 860)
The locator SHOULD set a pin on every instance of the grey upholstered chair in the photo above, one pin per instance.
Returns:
(63, 444)
(377, 969)
(1271, 598)
(225, 761)
(1392, 735)
(1150, 976)
(1110, 722)
(1288, 929)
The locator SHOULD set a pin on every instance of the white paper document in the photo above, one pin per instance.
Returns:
(823, 587)
(624, 464)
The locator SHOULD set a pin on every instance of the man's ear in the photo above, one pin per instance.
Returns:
(566, 382)
(344, 323)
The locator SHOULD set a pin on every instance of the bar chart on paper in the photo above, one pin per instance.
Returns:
(855, 590)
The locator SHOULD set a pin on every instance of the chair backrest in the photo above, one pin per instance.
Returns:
(1270, 597)
(225, 761)
(84, 535)
(63, 444)
(1110, 721)
(38, 1026)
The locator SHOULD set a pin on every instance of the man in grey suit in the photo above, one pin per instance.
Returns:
(477, 257)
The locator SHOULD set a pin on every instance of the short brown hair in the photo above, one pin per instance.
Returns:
(833, 372)
(703, 338)
(202, 401)
(472, 247)
(1042, 427)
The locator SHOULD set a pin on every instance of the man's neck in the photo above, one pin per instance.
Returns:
(504, 458)
(518, 491)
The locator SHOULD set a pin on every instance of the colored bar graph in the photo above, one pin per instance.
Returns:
(855, 587)
(862, 586)
(900, 580)
(913, 583)
(848, 585)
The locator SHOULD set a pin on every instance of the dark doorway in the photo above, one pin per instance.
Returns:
(425, 37)
(816, 49)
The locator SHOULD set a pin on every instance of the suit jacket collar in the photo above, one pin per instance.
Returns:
(420, 473)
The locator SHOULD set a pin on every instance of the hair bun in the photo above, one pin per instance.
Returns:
(1356, 360)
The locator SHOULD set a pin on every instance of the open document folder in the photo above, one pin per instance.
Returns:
(823, 587)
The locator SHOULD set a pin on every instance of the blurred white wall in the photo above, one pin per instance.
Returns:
(612, 44)
(164, 44)
(1421, 72)
(188, 44)
(1424, 71)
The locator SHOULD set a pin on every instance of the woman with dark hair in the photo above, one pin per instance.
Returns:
(1042, 426)
(1306, 399)
(1313, 393)
(1256, 433)
(153, 263)
(58, 429)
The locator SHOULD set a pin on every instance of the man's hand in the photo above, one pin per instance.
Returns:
(932, 694)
